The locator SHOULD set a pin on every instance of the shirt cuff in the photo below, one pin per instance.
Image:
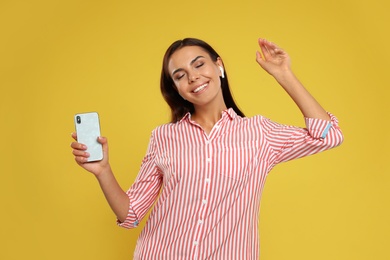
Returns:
(131, 220)
(319, 128)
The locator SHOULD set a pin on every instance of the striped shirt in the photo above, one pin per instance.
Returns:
(207, 187)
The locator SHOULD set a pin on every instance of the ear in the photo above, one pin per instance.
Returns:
(219, 63)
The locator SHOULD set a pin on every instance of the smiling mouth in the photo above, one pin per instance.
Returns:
(201, 87)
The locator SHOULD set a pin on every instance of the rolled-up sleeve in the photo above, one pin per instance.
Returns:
(289, 142)
(144, 192)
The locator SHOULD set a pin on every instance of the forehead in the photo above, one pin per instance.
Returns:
(185, 55)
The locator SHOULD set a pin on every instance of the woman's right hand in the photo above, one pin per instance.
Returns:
(81, 157)
(275, 60)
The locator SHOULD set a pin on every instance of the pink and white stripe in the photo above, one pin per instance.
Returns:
(211, 185)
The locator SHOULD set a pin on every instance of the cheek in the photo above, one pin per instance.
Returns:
(213, 72)
(179, 88)
(175, 84)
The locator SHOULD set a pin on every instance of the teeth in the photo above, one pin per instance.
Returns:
(200, 88)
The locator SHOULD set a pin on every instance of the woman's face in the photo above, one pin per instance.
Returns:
(196, 75)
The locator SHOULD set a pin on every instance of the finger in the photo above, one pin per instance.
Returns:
(266, 49)
(263, 45)
(259, 58)
(80, 153)
(74, 135)
(104, 142)
(80, 159)
(78, 146)
(275, 49)
(270, 46)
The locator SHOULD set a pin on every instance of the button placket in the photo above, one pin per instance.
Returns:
(207, 180)
(204, 195)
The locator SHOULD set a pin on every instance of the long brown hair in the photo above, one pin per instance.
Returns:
(179, 106)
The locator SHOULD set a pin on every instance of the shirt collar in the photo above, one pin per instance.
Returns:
(230, 112)
(226, 114)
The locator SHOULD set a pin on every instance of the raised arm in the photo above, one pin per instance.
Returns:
(277, 63)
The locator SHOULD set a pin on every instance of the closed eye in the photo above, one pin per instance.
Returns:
(199, 65)
(180, 76)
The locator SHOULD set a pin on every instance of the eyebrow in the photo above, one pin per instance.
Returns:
(192, 62)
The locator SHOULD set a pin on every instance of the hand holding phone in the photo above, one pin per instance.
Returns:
(88, 130)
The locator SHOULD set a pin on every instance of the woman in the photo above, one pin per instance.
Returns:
(206, 169)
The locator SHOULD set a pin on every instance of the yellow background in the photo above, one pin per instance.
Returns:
(58, 58)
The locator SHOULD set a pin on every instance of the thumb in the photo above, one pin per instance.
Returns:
(260, 59)
(103, 141)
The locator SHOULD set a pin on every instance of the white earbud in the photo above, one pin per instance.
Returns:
(222, 71)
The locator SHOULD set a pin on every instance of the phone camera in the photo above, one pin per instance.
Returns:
(78, 119)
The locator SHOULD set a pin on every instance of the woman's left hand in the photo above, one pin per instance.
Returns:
(274, 60)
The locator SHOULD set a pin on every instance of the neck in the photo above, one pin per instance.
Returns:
(208, 116)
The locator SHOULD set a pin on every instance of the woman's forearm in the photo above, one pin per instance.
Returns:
(115, 196)
(305, 101)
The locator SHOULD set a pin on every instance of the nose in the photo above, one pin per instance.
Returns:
(193, 76)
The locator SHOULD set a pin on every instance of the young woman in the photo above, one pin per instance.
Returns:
(205, 170)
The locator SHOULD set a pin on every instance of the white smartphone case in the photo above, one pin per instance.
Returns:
(88, 130)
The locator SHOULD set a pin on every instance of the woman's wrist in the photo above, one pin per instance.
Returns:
(104, 173)
(284, 75)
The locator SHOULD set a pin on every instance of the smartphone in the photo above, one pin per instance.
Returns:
(88, 130)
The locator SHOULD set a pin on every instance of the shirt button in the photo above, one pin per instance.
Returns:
(207, 180)
(200, 222)
(195, 243)
(204, 201)
(208, 159)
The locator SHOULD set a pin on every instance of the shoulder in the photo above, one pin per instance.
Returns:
(164, 128)
(169, 129)
(252, 120)
(258, 123)
(252, 125)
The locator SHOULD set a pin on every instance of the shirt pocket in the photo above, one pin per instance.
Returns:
(236, 160)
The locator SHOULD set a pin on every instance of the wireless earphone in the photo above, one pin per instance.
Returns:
(222, 71)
